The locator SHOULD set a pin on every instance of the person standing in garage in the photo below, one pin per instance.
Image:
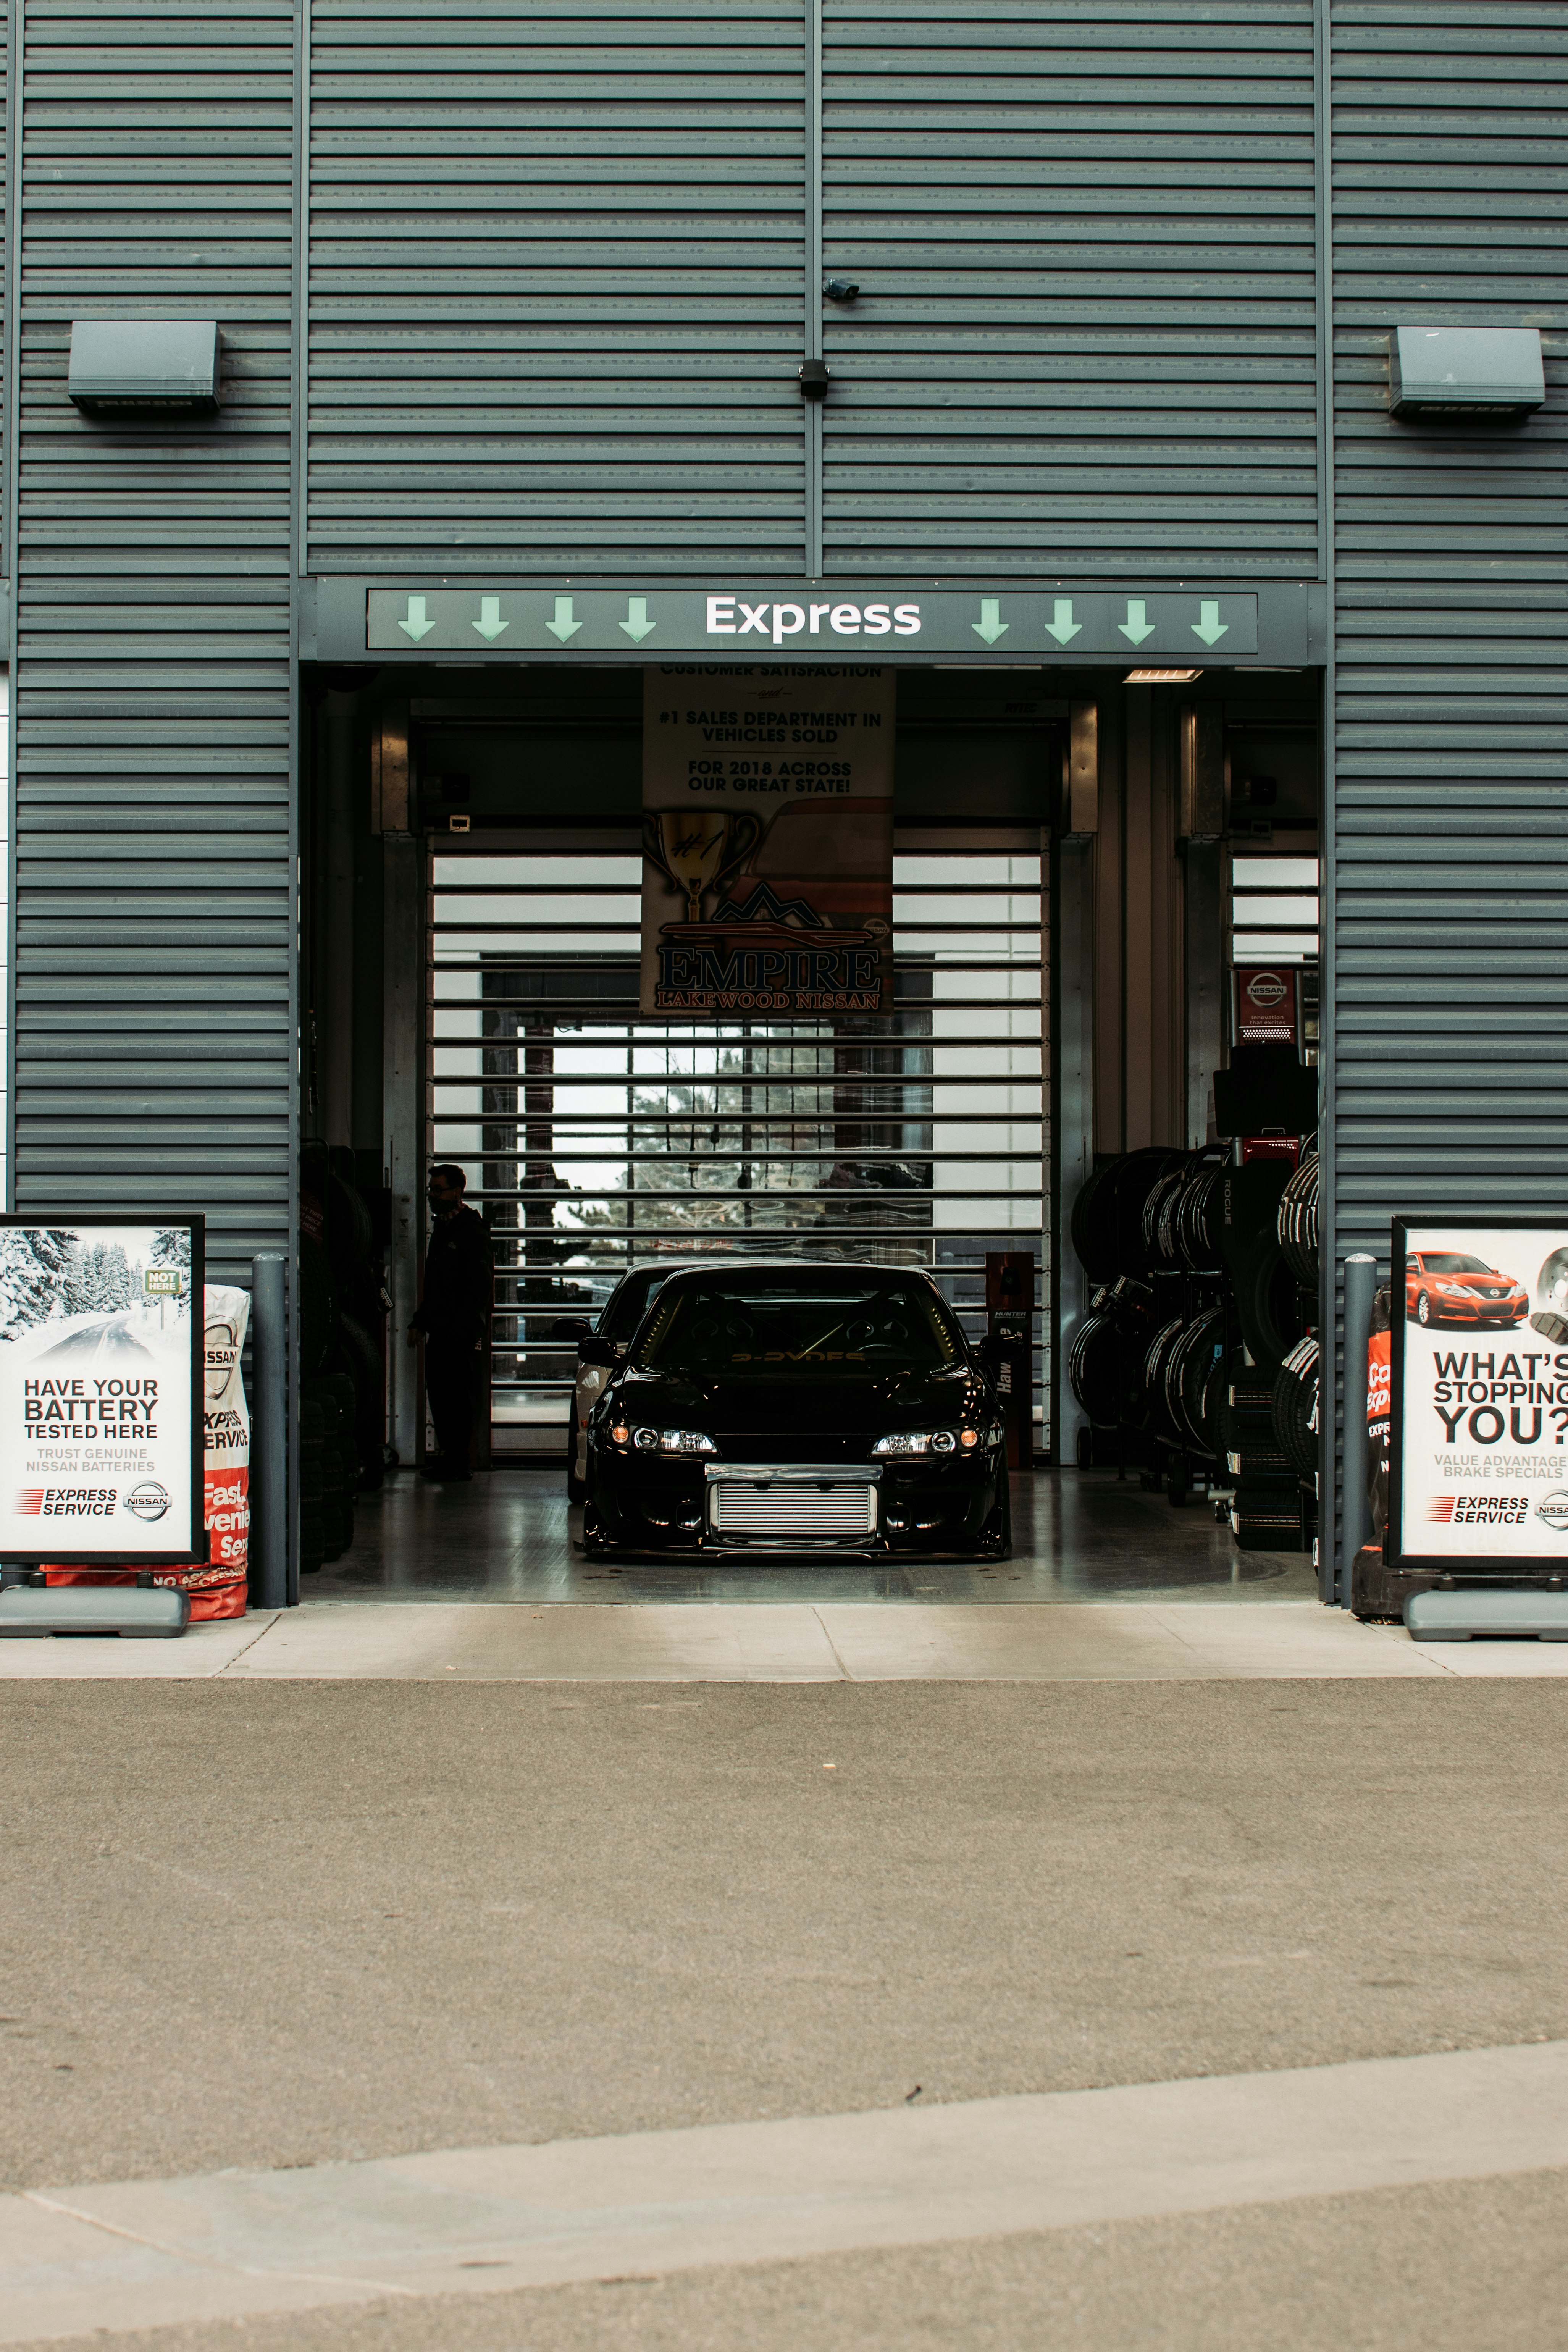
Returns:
(454, 1319)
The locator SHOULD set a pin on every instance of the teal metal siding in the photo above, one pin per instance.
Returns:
(555, 270)
(1084, 233)
(1450, 977)
(154, 912)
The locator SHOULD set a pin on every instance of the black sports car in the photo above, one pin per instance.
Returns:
(779, 1406)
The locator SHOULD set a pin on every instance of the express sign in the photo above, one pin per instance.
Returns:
(809, 621)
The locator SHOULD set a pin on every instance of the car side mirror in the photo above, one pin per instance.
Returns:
(570, 1327)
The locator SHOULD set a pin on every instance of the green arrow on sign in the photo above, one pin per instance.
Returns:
(414, 623)
(1208, 624)
(564, 626)
(489, 622)
(637, 623)
(990, 625)
(1135, 628)
(1062, 626)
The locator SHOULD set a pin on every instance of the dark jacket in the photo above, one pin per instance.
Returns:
(459, 1284)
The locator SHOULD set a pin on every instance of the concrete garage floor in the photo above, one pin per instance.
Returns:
(1077, 1536)
(483, 1582)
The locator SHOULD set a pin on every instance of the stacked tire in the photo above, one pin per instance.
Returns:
(1191, 1380)
(1180, 1216)
(1108, 1217)
(1294, 1410)
(1296, 1226)
(1105, 1362)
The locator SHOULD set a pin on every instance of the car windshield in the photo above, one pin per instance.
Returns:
(1451, 1262)
(838, 1328)
(630, 1302)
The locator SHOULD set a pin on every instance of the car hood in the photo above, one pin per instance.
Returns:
(867, 1408)
(1479, 1281)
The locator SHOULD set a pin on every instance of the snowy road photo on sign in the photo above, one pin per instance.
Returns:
(1480, 1393)
(99, 1391)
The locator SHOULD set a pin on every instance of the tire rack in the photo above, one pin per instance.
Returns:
(1177, 1465)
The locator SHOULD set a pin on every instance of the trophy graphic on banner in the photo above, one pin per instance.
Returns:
(700, 848)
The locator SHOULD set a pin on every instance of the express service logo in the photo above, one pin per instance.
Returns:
(1480, 1510)
(149, 1500)
(1554, 1509)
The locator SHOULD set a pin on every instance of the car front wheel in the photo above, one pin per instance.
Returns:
(1423, 1310)
(996, 1539)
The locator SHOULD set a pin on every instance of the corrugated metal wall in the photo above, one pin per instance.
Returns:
(1085, 342)
(1450, 1015)
(556, 286)
(155, 930)
(557, 264)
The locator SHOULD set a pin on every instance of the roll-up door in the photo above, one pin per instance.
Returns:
(155, 1042)
(596, 1138)
(1084, 341)
(557, 287)
(1450, 1011)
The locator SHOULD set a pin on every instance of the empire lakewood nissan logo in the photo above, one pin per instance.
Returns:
(1554, 1509)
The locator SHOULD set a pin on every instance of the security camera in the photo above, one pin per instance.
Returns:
(841, 289)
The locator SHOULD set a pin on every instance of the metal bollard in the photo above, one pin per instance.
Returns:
(270, 1432)
(1355, 1518)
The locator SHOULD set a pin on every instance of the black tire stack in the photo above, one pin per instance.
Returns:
(1293, 1405)
(1142, 1364)
(1294, 1409)
(1105, 1362)
(1195, 1362)
(1266, 1510)
(1108, 1217)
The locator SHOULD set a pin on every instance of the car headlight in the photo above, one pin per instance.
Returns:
(1453, 1290)
(665, 1441)
(941, 1442)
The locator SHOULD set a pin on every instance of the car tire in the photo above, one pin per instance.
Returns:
(996, 1538)
(593, 1545)
(1423, 1310)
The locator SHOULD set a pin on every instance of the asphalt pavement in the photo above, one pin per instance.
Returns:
(273, 1924)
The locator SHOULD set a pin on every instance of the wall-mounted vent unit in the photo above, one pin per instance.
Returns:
(1456, 372)
(132, 368)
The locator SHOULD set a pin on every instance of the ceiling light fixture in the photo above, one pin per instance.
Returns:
(1161, 677)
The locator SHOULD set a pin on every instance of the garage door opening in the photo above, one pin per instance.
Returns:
(1084, 939)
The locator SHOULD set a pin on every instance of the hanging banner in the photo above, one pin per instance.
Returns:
(767, 840)
(1478, 1449)
(101, 1392)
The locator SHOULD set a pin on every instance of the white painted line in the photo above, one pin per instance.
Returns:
(143, 2253)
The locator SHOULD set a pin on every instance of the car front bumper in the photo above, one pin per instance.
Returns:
(751, 1509)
